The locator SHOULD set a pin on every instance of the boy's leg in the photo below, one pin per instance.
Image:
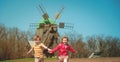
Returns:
(36, 59)
(41, 59)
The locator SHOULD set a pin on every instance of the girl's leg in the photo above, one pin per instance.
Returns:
(65, 58)
(60, 59)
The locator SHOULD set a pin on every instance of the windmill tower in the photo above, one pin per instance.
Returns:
(47, 29)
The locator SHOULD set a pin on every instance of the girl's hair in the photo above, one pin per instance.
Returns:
(37, 36)
(63, 38)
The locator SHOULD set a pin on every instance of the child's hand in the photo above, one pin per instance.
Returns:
(50, 51)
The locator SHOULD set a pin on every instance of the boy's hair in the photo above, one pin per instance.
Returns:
(63, 38)
(37, 36)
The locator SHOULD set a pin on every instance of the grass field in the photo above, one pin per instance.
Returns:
(103, 59)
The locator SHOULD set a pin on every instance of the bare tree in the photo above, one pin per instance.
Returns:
(13, 43)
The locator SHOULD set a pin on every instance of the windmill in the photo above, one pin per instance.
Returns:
(47, 29)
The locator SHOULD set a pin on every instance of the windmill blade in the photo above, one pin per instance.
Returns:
(66, 25)
(34, 25)
(41, 9)
(58, 14)
(45, 15)
(69, 26)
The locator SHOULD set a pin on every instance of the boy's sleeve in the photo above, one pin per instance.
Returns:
(72, 49)
(56, 48)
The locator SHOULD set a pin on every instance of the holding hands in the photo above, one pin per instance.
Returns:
(50, 51)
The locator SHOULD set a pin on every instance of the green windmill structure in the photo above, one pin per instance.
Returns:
(48, 29)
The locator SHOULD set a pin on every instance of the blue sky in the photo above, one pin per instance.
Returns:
(90, 17)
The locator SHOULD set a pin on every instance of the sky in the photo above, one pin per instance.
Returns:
(89, 17)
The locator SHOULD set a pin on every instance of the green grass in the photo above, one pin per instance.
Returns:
(25, 60)
(20, 60)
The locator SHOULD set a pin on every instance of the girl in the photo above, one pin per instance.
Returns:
(38, 49)
(63, 49)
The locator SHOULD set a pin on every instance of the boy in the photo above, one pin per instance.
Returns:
(38, 49)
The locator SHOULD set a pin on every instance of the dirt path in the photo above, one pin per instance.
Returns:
(112, 59)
